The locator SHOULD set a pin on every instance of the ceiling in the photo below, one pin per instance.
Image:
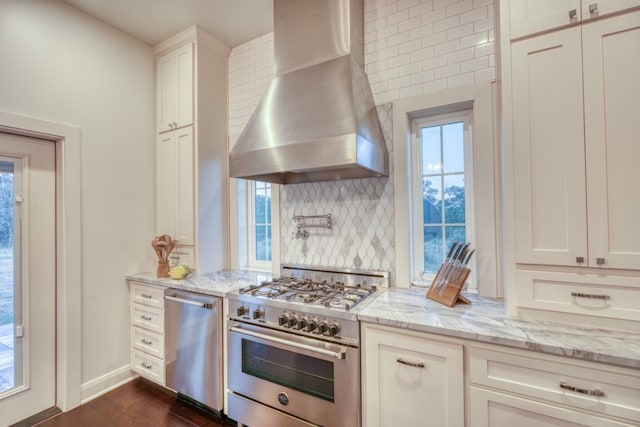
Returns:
(232, 22)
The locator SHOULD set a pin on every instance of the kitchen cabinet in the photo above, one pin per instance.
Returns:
(573, 154)
(571, 99)
(533, 16)
(147, 331)
(411, 379)
(176, 198)
(191, 157)
(175, 87)
(510, 387)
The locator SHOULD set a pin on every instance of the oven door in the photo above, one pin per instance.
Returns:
(311, 379)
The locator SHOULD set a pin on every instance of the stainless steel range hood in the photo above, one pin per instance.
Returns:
(317, 121)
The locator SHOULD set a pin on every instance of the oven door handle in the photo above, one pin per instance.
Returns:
(338, 355)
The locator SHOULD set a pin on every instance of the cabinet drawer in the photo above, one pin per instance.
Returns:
(149, 318)
(489, 408)
(147, 341)
(613, 392)
(593, 295)
(147, 295)
(148, 366)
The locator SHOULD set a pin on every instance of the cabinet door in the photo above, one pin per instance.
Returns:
(184, 86)
(184, 200)
(612, 114)
(494, 409)
(548, 138)
(411, 381)
(165, 92)
(596, 8)
(165, 184)
(532, 16)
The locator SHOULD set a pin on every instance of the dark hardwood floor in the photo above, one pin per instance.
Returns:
(139, 403)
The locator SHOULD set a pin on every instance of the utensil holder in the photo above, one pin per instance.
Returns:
(163, 269)
(449, 293)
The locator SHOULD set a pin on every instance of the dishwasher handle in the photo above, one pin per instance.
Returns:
(206, 305)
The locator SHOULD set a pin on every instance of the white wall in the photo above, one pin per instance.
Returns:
(60, 65)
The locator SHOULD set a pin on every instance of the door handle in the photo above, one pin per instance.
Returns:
(206, 305)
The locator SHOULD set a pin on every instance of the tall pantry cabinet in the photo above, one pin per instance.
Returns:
(191, 148)
(571, 146)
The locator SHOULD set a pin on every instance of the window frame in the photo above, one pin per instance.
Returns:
(417, 124)
(252, 262)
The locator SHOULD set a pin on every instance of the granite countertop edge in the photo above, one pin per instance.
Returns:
(485, 321)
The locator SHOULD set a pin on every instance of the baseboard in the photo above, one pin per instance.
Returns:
(101, 385)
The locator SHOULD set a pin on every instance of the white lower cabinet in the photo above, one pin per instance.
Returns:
(147, 331)
(517, 388)
(411, 379)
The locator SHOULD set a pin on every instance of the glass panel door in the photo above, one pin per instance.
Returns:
(10, 372)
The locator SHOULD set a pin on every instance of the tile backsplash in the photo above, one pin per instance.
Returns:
(362, 234)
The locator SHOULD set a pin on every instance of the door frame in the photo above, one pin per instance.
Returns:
(68, 249)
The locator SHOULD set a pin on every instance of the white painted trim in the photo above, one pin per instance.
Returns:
(486, 173)
(105, 383)
(192, 34)
(69, 249)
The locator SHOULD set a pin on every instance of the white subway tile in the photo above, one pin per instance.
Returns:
(399, 82)
(398, 39)
(436, 61)
(447, 71)
(400, 16)
(473, 15)
(434, 39)
(387, 10)
(433, 17)
(475, 39)
(422, 77)
(422, 54)
(445, 24)
(422, 9)
(460, 80)
(446, 47)
(459, 7)
(479, 3)
(406, 4)
(376, 46)
(385, 97)
(410, 46)
(387, 31)
(484, 49)
(421, 31)
(483, 24)
(459, 31)
(434, 86)
(398, 61)
(438, 4)
(460, 55)
(409, 91)
(474, 64)
(409, 24)
(486, 75)
(409, 69)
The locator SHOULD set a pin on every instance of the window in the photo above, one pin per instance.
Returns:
(442, 187)
(259, 230)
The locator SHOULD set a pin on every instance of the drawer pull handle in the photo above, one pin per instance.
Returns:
(414, 364)
(596, 392)
(146, 365)
(592, 296)
(573, 14)
(147, 296)
(145, 341)
(147, 318)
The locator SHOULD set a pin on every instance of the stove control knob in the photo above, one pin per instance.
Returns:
(302, 323)
(312, 325)
(283, 320)
(323, 327)
(334, 328)
(293, 321)
(243, 310)
(258, 313)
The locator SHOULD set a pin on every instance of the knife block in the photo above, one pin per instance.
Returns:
(449, 294)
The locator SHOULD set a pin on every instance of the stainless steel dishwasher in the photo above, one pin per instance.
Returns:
(193, 326)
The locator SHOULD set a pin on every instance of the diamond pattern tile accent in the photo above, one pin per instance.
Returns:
(362, 211)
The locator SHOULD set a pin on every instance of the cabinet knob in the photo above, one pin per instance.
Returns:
(600, 261)
(593, 8)
(573, 14)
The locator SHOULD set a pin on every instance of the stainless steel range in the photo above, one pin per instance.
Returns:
(294, 347)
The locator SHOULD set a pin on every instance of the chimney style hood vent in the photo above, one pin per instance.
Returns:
(317, 121)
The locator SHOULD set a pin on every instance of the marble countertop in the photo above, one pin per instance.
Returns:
(217, 284)
(484, 320)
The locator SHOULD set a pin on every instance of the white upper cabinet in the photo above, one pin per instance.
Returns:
(575, 125)
(175, 74)
(534, 16)
(611, 67)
